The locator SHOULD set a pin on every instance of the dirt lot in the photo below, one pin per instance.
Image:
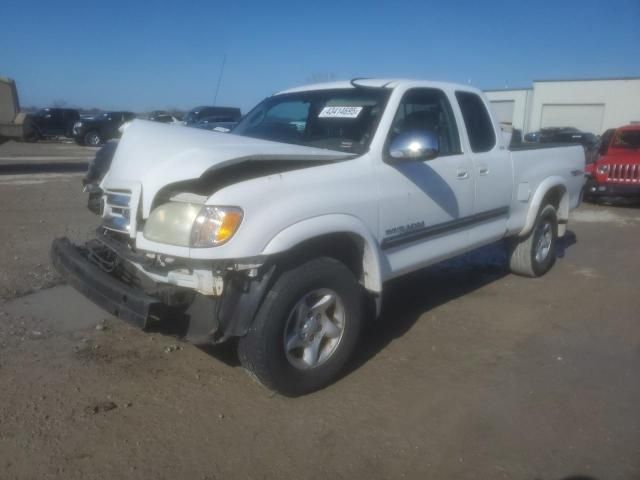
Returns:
(470, 372)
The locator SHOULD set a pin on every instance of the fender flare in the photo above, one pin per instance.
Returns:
(536, 201)
(374, 266)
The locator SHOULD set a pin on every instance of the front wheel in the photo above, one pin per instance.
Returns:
(92, 139)
(306, 329)
(535, 254)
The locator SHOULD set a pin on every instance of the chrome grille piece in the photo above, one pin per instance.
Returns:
(626, 173)
(117, 210)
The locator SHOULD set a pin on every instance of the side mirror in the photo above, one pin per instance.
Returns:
(415, 145)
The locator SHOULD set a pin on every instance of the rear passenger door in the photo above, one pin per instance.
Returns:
(492, 169)
(52, 123)
(111, 127)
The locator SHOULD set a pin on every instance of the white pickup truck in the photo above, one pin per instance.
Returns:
(283, 232)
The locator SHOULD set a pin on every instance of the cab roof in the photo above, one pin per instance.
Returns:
(390, 83)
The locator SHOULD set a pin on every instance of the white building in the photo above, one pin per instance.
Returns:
(591, 105)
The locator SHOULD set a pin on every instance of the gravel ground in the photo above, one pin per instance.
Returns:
(470, 372)
(34, 209)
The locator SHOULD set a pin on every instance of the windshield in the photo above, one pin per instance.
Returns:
(627, 139)
(343, 120)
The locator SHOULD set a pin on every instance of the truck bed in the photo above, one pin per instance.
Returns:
(535, 164)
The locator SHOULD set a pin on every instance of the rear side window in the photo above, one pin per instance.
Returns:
(482, 137)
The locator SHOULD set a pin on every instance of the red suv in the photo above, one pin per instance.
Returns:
(616, 169)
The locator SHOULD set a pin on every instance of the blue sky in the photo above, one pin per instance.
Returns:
(146, 55)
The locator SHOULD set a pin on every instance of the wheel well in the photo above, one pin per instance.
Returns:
(345, 247)
(559, 198)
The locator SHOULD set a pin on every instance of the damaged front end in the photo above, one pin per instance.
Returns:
(199, 301)
(153, 190)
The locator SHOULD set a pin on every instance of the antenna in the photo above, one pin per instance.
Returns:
(224, 60)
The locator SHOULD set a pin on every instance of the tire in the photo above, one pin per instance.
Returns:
(285, 320)
(534, 255)
(92, 139)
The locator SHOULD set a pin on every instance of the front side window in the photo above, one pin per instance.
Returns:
(428, 109)
(340, 119)
(482, 137)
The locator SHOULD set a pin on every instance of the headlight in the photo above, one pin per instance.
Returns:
(77, 125)
(603, 168)
(191, 225)
(215, 225)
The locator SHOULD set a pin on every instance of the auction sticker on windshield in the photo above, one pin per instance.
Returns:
(340, 112)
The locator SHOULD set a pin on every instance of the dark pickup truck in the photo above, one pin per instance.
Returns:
(223, 114)
(53, 122)
(97, 130)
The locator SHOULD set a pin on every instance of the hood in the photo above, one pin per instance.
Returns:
(151, 155)
(621, 156)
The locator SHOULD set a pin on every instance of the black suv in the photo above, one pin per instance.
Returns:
(96, 130)
(54, 122)
(225, 114)
(562, 135)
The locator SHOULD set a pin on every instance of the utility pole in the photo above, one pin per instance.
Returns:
(224, 60)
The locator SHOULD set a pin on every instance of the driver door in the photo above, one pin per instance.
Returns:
(424, 204)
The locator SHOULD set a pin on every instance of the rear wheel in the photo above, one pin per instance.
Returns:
(306, 329)
(92, 139)
(535, 254)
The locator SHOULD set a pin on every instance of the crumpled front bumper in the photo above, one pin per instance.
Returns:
(130, 304)
(196, 318)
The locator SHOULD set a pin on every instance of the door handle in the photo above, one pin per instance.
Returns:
(462, 174)
(484, 170)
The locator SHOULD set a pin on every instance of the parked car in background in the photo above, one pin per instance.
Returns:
(54, 122)
(533, 137)
(615, 172)
(197, 114)
(163, 117)
(586, 139)
(568, 136)
(95, 131)
(563, 135)
(219, 124)
(285, 232)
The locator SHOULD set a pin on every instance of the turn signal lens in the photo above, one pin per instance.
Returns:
(214, 226)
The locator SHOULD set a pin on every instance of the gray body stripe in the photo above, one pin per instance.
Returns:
(442, 228)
